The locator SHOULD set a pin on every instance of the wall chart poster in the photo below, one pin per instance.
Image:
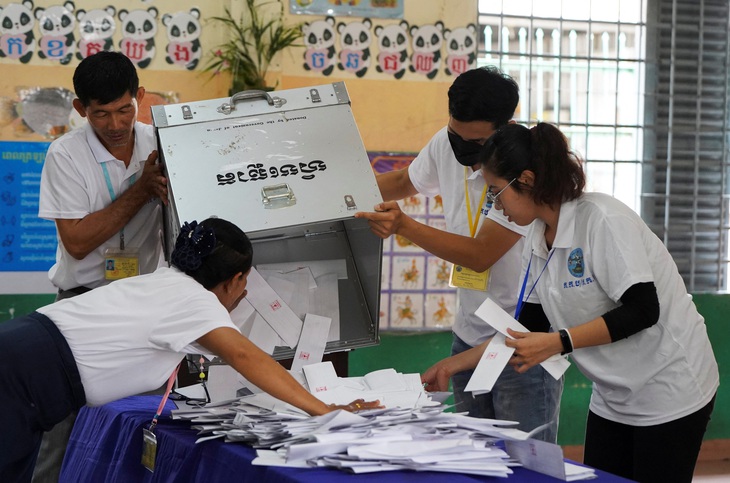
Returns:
(27, 243)
(415, 294)
(351, 8)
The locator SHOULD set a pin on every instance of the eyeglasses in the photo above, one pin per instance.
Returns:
(194, 401)
(492, 198)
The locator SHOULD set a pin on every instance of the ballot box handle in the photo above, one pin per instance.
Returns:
(230, 106)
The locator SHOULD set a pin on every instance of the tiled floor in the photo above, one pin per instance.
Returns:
(714, 471)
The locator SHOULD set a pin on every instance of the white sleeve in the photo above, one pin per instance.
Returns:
(63, 193)
(619, 258)
(423, 171)
(199, 313)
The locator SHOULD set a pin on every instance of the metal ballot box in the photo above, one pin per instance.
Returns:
(290, 169)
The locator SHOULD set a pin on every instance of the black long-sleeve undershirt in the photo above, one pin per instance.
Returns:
(639, 311)
(533, 318)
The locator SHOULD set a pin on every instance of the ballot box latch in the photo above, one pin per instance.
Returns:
(277, 196)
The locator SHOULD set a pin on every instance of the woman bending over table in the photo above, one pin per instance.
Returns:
(616, 302)
(128, 337)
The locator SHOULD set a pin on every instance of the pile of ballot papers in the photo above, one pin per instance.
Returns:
(374, 440)
(413, 432)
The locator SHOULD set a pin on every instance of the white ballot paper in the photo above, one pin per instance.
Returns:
(273, 309)
(491, 364)
(312, 341)
(321, 377)
(325, 301)
(224, 382)
(546, 458)
(306, 294)
(540, 456)
(292, 286)
(242, 316)
(493, 361)
(263, 335)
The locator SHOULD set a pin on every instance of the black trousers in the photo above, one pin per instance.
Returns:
(40, 386)
(664, 453)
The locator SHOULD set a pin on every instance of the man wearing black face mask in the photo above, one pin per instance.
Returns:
(484, 246)
(466, 152)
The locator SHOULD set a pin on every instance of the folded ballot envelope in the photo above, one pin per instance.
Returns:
(290, 169)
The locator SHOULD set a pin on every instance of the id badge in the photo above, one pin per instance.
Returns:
(121, 263)
(462, 277)
(149, 449)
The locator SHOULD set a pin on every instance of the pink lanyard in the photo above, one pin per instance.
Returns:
(170, 382)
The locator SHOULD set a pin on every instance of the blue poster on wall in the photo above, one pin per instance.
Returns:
(27, 243)
(350, 8)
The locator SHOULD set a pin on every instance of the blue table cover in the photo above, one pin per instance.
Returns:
(106, 446)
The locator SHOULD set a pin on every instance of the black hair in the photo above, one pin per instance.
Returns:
(105, 77)
(212, 251)
(484, 94)
(542, 149)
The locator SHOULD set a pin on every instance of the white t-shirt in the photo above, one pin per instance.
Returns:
(127, 337)
(436, 171)
(602, 248)
(73, 185)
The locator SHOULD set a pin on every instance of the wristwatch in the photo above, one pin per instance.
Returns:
(566, 341)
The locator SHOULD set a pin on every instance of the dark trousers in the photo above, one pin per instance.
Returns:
(54, 442)
(41, 386)
(664, 453)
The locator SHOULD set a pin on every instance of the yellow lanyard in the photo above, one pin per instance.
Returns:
(473, 223)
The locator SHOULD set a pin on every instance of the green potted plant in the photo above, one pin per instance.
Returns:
(253, 41)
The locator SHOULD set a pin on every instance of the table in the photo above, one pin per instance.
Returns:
(106, 445)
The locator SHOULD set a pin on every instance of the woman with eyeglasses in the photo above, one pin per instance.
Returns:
(616, 302)
(128, 337)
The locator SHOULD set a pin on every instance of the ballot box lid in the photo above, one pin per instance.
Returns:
(290, 169)
(268, 160)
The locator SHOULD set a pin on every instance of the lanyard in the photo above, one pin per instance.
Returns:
(473, 223)
(164, 398)
(113, 196)
(521, 301)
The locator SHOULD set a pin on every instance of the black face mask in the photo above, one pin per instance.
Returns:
(468, 153)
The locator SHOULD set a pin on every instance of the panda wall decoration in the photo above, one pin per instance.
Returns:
(433, 48)
(426, 42)
(16, 31)
(319, 40)
(96, 28)
(395, 49)
(139, 28)
(183, 34)
(56, 25)
(461, 49)
(393, 46)
(355, 40)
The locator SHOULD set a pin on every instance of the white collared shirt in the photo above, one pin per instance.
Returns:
(73, 186)
(602, 248)
(127, 337)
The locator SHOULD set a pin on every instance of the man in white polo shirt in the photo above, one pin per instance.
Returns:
(484, 246)
(102, 187)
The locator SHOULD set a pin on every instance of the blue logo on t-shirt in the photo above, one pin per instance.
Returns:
(576, 266)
